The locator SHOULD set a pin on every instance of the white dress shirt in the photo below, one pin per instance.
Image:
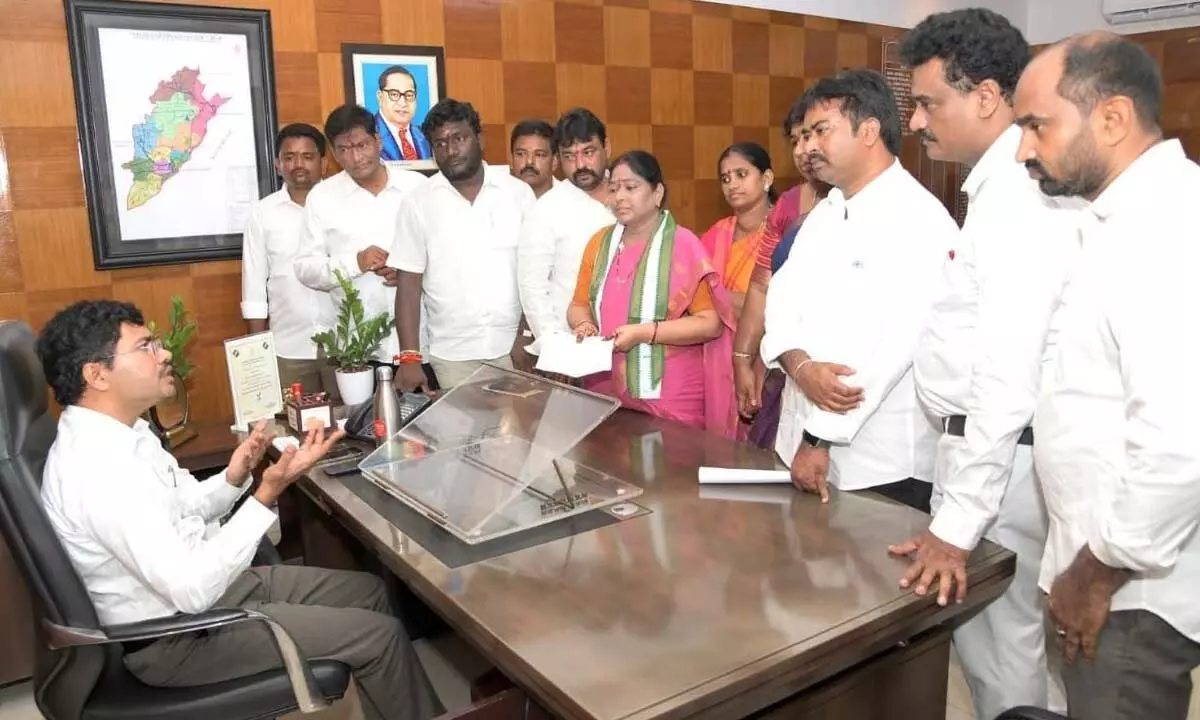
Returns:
(550, 252)
(981, 352)
(1117, 436)
(467, 255)
(341, 219)
(141, 531)
(269, 285)
(856, 290)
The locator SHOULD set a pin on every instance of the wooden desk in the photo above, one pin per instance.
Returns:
(705, 608)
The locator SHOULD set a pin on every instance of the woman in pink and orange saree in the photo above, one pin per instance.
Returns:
(648, 284)
(734, 242)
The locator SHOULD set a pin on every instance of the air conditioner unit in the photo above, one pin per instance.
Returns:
(1121, 12)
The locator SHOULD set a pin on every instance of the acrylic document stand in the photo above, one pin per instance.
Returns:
(487, 458)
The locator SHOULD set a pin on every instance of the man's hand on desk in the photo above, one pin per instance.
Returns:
(936, 561)
(821, 383)
(410, 377)
(248, 455)
(294, 462)
(809, 470)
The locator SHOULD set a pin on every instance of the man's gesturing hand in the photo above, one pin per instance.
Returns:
(294, 462)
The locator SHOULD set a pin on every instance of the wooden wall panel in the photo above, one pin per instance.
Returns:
(679, 77)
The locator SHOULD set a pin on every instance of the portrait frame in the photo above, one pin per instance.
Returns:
(425, 66)
(182, 158)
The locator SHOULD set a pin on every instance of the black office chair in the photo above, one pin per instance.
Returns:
(80, 672)
(1030, 713)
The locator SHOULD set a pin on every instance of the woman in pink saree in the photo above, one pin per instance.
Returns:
(648, 284)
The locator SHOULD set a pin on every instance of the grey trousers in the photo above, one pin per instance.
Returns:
(331, 614)
(455, 372)
(1142, 671)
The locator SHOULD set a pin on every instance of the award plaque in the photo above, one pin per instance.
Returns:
(253, 378)
(491, 457)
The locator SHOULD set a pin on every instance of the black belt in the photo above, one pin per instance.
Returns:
(956, 425)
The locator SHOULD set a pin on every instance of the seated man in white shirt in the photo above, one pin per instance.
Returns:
(979, 361)
(562, 222)
(844, 312)
(456, 250)
(145, 537)
(350, 219)
(272, 297)
(1115, 427)
(531, 149)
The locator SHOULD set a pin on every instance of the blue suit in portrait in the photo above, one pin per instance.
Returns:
(391, 147)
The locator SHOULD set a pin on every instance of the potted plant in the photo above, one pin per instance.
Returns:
(350, 345)
(170, 418)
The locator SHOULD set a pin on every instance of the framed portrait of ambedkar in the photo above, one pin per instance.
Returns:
(176, 113)
(398, 84)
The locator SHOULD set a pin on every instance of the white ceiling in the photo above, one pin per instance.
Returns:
(1041, 20)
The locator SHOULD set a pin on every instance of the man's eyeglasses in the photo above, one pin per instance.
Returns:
(150, 346)
(408, 96)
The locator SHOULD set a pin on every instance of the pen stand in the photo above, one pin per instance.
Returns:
(306, 410)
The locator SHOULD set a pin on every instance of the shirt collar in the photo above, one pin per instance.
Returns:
(393, 180)
(104, 429)
(282, 197)
(875, 188)
(1140, 179)
(492, 176)
(998, 158)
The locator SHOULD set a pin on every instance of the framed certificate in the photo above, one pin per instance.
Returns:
(253, 378)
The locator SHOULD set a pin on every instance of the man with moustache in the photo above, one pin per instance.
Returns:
(272, 297)
(757, 389)
(1115, 425)
(533, 158)
(397, 98)
(456, 249)
(562, 222)
(845, 310)
(978, 364)
(350, 219)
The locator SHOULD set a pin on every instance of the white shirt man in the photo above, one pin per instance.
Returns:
(549, 253)
(1116, 428)
(132, 569)
(856, 290)
(341, 219)
(978, 367)
(270, 288)
(467, 255)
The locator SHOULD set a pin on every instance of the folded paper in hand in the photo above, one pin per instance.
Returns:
(743, 476)
(561, 353)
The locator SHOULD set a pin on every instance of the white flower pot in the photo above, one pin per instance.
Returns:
(356, 387)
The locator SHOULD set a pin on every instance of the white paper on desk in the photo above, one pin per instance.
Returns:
(770, 494)
(561, 353)
(743, 476)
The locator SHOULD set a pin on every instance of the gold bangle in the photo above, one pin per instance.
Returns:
(743, 355)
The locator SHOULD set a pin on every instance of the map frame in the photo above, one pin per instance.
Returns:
(85, 18)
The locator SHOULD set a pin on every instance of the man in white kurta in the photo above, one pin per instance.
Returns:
(272, 297)
(350, 220)
(1116, 428)
(561, 223)
(978, 364)
(844, 312)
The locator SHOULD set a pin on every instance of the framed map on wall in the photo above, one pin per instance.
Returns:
(176, 111)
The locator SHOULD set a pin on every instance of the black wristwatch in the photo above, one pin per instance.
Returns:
(818, 443)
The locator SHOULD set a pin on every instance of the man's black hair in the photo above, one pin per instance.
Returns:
(525, 128)
(347, 117)
(863, 94)
(449, 110)
(1095, 70)
(579, 125)
(83, 333)
(300, 130)
(974, 45)
(396, 70)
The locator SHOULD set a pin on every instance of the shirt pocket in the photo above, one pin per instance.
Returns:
(281, 253)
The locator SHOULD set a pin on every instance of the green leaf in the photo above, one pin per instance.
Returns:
(354, 340)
